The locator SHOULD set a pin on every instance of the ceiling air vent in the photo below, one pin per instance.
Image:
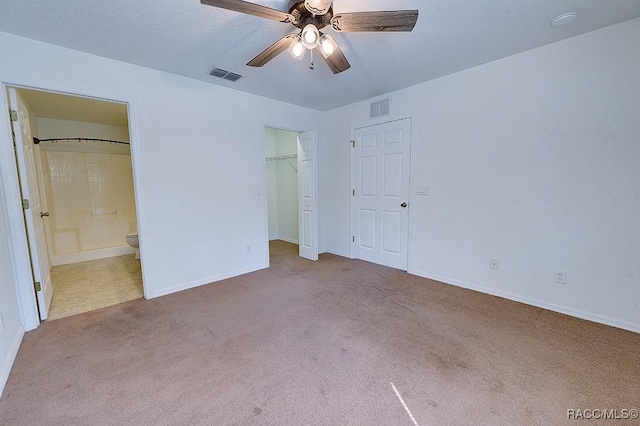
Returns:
(380, 108)
(225, 75)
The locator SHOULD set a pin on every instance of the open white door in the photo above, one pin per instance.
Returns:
(308, 195)
(381, 194)
(34, 214)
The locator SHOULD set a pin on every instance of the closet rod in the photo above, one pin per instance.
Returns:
(282, 157)
(36, 141)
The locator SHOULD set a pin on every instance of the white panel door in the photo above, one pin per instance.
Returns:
(381, 194)
(308, 195)
(35, 215)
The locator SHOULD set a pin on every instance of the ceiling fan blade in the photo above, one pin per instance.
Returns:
(251, 9)
(393, 20)
(337, 61)
(272, 51)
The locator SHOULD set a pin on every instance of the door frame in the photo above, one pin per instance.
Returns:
(412, 148)
(11, 200)
(263, 189)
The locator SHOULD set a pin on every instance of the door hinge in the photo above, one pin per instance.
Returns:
(25, 204)
(14, 114)
(37, 286)
(353, 239)
(353, 143)
(353, 192)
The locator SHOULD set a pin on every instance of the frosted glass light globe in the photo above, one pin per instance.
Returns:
(327, 45)
(310, 36)
(297, 49)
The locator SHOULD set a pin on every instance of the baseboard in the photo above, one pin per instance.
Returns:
(288, 240)
(84, 256)
(339, 253)
(7, 363)
(539, 304)
(208, 281)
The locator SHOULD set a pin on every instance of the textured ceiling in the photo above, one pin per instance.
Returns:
(187, 38)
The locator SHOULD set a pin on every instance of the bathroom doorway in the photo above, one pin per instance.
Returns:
(81, 159)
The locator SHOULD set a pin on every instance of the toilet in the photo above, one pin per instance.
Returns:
(132, 240)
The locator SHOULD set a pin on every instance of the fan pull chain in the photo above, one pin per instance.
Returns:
(311, 67)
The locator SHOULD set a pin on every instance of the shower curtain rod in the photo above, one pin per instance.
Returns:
(36, 141)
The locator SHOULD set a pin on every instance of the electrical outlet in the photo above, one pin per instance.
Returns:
(248, 248)
(422, 190)
(494, 264)
(560, 277)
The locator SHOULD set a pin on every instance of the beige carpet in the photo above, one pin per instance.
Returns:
(306, 343)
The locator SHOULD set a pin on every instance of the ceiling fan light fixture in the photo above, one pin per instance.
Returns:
(297, 49)
(309, 17)
(318, 7)
(310, 36)
(327, 45)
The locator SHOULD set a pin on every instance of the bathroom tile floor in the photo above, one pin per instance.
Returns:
(85, 286)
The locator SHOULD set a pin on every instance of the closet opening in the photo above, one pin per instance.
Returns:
(282, 189)
(291, 183)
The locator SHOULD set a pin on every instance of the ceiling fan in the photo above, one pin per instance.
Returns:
(310, 16)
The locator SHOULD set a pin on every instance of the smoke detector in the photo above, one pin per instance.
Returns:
(564, 19)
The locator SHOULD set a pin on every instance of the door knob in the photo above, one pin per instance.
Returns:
(44, 214)
(403, 205)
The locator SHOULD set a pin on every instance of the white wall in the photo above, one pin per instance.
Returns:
(54, 128)
(272, 182)
(534, 160)
(11, 330)
(198, 163)
(287, 144)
